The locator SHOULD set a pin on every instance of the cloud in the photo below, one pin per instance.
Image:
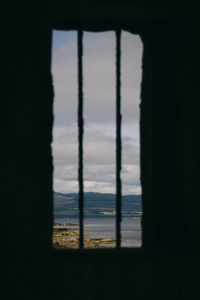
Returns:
(99, 173)
(99, 147)
(99, 77)
(71, 186)
(99, 112)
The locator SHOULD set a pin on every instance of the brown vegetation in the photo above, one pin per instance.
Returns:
(69, 238)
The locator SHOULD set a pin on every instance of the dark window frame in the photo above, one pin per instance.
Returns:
(101, 26)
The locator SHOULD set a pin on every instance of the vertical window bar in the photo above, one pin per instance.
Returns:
(80, 134)
(118, 138)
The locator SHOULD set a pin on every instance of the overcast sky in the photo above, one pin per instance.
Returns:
(99, 112)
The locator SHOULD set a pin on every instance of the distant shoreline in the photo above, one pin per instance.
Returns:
(96, 205)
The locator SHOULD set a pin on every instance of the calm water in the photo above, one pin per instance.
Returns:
(105, 228)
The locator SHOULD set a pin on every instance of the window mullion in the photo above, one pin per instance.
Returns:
(118, 138)
(80, 135)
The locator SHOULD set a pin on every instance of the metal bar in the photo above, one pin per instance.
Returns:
(80, 135)
(118, 138)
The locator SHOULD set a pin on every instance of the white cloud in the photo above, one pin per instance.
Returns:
(99, 147)
(99, 113)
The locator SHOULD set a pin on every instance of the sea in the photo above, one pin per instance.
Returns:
(105, 228)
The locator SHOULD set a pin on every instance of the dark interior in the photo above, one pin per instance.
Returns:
(167, 265)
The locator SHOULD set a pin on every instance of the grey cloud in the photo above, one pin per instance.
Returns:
(99, 148)
(64, 186)
(99, 78)
(99, 114)
(99, 173)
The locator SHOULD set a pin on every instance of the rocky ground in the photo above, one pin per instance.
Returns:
(64, 224)
(69, 238)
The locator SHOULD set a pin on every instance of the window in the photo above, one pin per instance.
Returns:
(103, 107)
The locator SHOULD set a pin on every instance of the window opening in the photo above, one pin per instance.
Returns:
(131, 57)
(99, 65)
(126, 208)
(65, 142)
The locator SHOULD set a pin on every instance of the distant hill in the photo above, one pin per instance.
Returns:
(95, 205)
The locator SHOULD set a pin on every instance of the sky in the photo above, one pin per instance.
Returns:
(99, 111)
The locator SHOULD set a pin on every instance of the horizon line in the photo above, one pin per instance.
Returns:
(97, 193)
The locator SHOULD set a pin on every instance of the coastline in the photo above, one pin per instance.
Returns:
(69, 238)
